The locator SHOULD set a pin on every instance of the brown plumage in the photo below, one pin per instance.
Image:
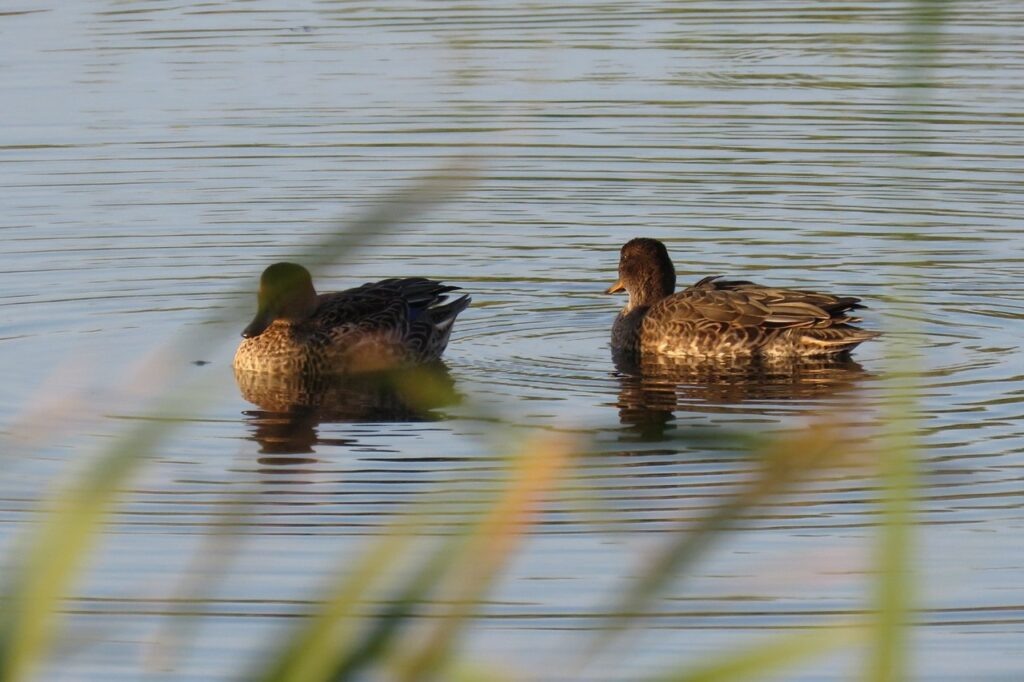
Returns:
(716, 317)
(377, 326)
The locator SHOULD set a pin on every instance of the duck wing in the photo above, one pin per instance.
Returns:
(410, 316)
(742, 303)
(723, 317)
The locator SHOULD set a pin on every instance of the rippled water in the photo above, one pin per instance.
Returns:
(154, 158)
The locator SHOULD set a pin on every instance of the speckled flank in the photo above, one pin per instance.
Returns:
(725, 318)
(377, 326)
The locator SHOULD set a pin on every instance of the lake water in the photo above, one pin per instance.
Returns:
(155, 157)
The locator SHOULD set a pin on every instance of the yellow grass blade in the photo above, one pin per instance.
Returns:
(57, 550)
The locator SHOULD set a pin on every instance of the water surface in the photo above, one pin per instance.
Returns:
(155, 158)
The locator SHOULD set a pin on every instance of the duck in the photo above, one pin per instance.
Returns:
(724, 318)
(379, 326)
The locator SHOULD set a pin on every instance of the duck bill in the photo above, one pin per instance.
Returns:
(615, 288)
(258, 325)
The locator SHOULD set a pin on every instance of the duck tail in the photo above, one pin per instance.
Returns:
(443, 316)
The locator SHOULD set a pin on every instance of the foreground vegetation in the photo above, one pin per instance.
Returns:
(456, 569)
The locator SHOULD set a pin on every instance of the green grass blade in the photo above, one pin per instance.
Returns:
(312, 654)
(488, 550)
(785, 462)
(339, 645)
(887, 661)
(57, 551)
(458, 670)
(55, 554)
(385, 628)
(772, 657)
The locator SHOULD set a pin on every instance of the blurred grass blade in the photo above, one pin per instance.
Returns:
(57, 550)
(331, 646)
(55, 553)
(784, 462)
(312, 654)
(926, 20)
(772, 657)
(413, 200)
(464, 671)
(383, 217)
(888, 659)
(209, 564)
(488, 550)
(385, 626)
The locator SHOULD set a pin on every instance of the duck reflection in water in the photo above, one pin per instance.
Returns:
(292, 407)
(653, 389)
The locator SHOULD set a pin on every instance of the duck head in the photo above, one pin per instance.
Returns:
(286, 293)
(645, 271)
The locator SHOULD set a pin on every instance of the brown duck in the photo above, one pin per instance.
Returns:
(377, 326)
(723, 318)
